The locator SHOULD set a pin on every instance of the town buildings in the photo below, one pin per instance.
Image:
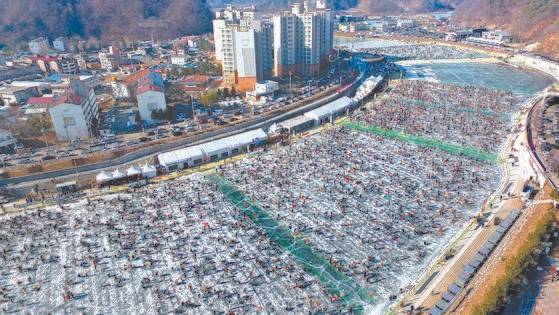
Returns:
(126, 88)
(110, 59)
(7, 141)
(39, 46)
(13, 95)
(491, 38)
(63, 64)
(74, 113)
(58, 44)
(150, 99)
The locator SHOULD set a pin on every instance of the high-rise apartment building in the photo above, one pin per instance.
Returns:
(243, 44)
(303, 39)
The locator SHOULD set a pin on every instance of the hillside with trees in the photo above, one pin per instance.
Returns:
(533, 21)
(22, 20)
(382, 7)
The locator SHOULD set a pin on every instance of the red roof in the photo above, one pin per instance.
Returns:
(136, 76)
(148, 87)
(41, 101)
(196, 79)
(70, 98)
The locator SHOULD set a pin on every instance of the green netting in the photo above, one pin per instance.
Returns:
(486, 112)
(452, 148)
(349, 292)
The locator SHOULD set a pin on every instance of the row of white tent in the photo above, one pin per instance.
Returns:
(146, 171)
(212, 150)
(323, 114)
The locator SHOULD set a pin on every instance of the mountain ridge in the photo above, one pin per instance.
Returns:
(103, 19)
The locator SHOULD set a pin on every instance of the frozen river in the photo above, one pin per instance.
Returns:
(494, 76)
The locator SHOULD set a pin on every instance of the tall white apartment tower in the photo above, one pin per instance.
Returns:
(243, 46)
(303, 39)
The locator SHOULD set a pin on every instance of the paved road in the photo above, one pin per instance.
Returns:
(152, 151)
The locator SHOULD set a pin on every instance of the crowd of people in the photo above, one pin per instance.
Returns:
(469, 116)
(377, 209)
(425, 51)
(176, 247)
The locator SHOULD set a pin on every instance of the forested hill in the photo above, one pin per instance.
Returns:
(528, 20)
(380, 7)
(21, 20)
(273, 4)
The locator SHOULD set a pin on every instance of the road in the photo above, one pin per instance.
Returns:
(152, 151)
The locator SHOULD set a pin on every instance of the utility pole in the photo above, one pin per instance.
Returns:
(290, 73)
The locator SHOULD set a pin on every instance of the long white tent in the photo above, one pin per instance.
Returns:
(212, 150)
(330, 111)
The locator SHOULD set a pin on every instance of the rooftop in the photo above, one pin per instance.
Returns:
(136, 76)
(148, 87)
(196, 79)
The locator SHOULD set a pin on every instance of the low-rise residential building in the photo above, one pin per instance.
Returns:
(68, 65)
(39, 46)
(7, 141)
(196, 80)
(73, 114)
(110, 59)
(150, 98)
(58, 44)
(126, 87)
(82, 63)
(91, 81)
(178, 59)
(405, 23)
(266, 87)
(62, 64)
(491, 38)
(16, 95)
(457, 36)
(19, 72)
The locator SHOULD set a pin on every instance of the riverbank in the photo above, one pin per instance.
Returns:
(490, 290)
(488, 60)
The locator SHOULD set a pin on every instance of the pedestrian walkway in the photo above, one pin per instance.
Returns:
(424, 141)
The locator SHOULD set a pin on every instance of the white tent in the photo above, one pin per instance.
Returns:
(227, 146)
(330, 110)
(192, 155)
(169, 160)
(133, 171)
(214, 150)
(149, 171)
(181, 158)
(117, 174)
(103, 177)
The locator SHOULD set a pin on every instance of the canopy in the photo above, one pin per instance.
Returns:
(133, 171)
(149, 171)
(117, 174)
(103, 177)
